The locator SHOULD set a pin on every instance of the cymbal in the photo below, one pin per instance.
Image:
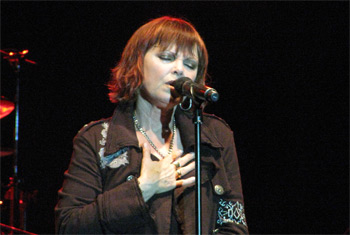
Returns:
(6, 152)
(6, 107)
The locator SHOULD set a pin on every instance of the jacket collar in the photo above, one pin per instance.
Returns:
(122, 133)
(184, 121)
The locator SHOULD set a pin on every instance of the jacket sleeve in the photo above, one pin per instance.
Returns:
(83, 206)
(231, 214)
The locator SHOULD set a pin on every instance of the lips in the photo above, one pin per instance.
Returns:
(170, 82)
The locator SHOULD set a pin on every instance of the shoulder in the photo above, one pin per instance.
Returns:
(216, 129)
(213, 121)
(93, 128)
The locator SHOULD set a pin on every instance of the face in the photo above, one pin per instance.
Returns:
(161, 68)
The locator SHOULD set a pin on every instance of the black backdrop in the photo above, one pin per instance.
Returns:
(281, 69)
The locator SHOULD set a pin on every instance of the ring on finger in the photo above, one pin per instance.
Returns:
(177, 164)
(178, 172)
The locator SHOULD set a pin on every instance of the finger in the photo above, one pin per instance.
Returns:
(177, 164)
(178, 174)
(186, 169)
(176, 154)
(146, 147)
(189, 182)
(146, 152)
(186, 182)
(186, 158)
(179, 183)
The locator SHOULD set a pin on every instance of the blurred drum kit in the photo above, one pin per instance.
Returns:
(6, 107)
(14, 201)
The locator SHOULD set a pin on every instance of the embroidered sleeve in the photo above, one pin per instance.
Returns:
(230, 212)
(114, 160)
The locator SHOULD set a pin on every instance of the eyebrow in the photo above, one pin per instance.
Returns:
(194, 59)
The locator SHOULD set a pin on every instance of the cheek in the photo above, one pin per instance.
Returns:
(154, 73)
(192, 75)
(153, 81)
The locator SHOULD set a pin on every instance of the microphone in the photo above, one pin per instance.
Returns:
(186, 87)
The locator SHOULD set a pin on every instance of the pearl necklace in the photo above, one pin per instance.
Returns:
(140, 129)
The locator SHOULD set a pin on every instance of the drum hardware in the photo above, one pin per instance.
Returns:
(13, 230)
(14, 195)
(4, 152)
(14, 56)
(6, 107)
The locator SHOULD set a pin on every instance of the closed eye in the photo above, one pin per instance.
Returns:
(191, 64)
(166, 57)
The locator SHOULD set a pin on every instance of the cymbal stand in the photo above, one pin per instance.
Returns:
(15, 57)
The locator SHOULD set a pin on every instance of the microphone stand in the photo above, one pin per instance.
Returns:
(197, 121)
(197, 94)
(14, 180)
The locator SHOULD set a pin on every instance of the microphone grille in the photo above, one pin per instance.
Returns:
(178, 83)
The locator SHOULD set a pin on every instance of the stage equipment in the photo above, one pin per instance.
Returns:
(16, 218)
(6, 107)
(186, 87)
(199, 94)
(13, 230)
(4, 152)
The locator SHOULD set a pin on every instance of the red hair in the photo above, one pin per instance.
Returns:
(127, 76)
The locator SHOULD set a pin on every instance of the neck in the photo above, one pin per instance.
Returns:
(153, 118)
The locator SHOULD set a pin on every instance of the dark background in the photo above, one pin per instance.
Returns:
(281, 69)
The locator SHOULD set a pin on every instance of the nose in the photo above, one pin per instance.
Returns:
(178, 68)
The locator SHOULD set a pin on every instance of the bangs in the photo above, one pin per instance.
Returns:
(168, 33)
(183, 42)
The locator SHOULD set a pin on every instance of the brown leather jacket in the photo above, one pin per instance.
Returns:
(100, 193)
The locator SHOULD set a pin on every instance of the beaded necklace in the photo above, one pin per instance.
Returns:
(140, 129)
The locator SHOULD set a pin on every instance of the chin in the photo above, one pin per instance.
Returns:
(165, 100)
(167, 104)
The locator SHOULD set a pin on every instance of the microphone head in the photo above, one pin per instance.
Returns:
(211, 95)
(178, 83)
